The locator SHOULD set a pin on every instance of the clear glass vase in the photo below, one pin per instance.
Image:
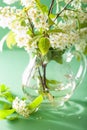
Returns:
(55, 81)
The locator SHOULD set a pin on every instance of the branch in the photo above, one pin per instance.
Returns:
(41, 79)
(31, 25)
(51, 7)
(63, 9)
(44, 77)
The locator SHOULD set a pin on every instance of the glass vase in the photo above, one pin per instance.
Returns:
(55, 81)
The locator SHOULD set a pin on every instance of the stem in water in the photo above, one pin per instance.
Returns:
(44, 77)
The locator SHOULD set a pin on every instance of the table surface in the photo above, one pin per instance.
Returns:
(72, 116)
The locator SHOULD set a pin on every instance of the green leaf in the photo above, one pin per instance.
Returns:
(10, 39)
(29, 32)
(65, 17)
(35, 38)
(13, 116)
(83, 25)
(44, 45)
(42, 7)
(54, 82)
(3, 88)
(5, 113)
(5, 93)
(36, 102)
(4, 103)
(23, 23)
(50, 22)
(58, 30)
(55, 55)
(78, 24)
(58, 59)
(9, 96)
(52, 16)
(85, 50)
(77, 56)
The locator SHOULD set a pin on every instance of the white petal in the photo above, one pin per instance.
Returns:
(9, 1)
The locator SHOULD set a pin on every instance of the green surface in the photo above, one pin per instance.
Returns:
(72, 116)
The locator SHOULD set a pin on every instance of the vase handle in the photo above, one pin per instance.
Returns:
(82, 66)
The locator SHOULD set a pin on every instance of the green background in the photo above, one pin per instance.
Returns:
(72, 116)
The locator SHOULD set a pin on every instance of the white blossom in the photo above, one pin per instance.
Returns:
(76, 4)
(10, 1)
(36, 21)
(20, 107)
(81, 45)
(27, 3)
(38, 18)
(67, 26)
(7, 16)
(63, 40)
(82, 41)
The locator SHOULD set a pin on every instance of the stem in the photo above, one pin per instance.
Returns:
(51, 7)
(41, 79)
(44, 77)
(31, 25)
(63, 9)
(71, 10)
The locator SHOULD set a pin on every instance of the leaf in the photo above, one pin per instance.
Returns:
(44, 45)
(54, 82)
(56, 55)
(9, 96)
(58, 59)
(10, 39)
(35, 38)
(5, 113)
(13, 116)
(65, 17)
(85, 50)
(58, 30)
(3, 88)
(77, 56)
(4, 104)
(23, 23)
(34, 104)
(78, 24)
(5, 93)
(52, 15)
(50, 22)
(42, 7)
(29, 32)
(83, 25)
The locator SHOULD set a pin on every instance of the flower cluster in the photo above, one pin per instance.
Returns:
(20, 107)
(16, 107)
(63, 28)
